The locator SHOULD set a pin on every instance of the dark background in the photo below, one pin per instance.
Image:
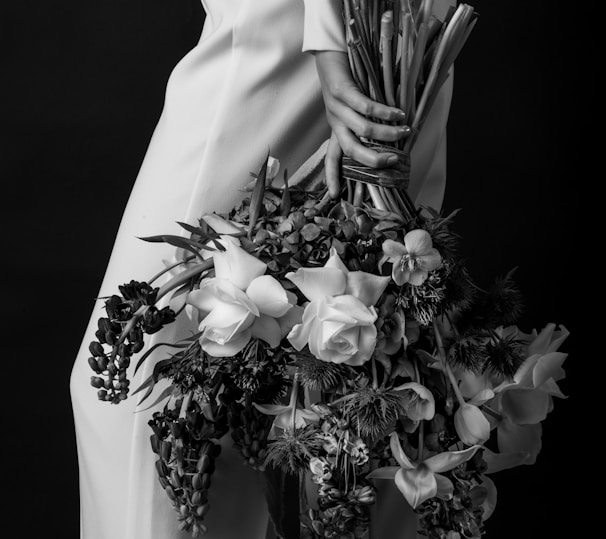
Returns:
(82, 87)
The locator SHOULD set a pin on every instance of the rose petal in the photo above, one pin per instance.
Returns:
(316, 283)
(300, 333)
(237, 266)
(334, 261)
(290, 319)
(227, 349)
(344, 342)
(366, 287)
(269, 296)
(346, 309)
(227, 315)
(367, 341)
(267, 329)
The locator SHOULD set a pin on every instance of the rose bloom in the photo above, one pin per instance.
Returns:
(338, 323)
(241, 303)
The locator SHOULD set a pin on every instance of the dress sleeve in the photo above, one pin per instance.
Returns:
(323, 26)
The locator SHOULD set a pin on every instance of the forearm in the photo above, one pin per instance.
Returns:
(324, 29)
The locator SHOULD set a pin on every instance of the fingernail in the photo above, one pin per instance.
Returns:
(403, 129)
(392, 160)
(400, 113)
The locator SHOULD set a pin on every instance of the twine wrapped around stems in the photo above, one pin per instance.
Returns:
(400, 55)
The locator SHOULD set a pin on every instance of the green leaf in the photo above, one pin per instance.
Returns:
(310, 231)
(198, 231)
(167, 392)
(154, 347)
(282, 495)
(256, 199)
(285, 203)
(178, 241)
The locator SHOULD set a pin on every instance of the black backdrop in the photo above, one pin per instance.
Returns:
(82, 88)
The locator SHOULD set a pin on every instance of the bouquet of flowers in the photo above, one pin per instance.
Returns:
(340, 344)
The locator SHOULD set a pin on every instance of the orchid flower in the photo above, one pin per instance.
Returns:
(288, 416)
(412, 261)
(422, 481)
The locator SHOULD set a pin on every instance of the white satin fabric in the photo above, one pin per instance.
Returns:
(246, 88)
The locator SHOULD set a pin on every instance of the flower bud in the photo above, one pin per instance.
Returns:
(102, 362)
(165, 449)
(202, 510)
(92, 362)
(161, 468)
(96, 349)
(175, 478)
(203, 463)
(471, 424)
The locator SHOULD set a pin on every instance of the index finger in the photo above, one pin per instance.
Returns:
(362, 104)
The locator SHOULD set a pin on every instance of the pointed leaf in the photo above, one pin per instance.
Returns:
(256, 199)
(193, 229)
(285, 203)
(167, 392)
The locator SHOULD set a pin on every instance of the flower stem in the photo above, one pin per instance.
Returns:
(491, 412)
(183, 277)
(421, 440)
(386, 38)
(375, 378)
(447, 369)
(185, 404)
(293, 401)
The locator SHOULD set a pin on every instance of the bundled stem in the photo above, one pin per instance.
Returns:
(400, 55)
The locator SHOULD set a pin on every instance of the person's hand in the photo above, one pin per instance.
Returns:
(351, 115)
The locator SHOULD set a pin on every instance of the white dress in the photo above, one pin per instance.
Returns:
(249, 85)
